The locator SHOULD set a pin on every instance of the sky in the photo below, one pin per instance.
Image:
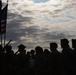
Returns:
(40, 22)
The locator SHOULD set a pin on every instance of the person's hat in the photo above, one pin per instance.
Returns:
(21, 46)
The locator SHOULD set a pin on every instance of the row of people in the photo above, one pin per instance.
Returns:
(39, 61)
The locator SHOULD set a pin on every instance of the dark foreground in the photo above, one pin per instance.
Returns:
(39, 61)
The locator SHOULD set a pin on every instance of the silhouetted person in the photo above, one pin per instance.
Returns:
(74, 44)
(2, 60)
(65, 46)
(1, 49)
(39, 50)
(46, 62)
(21, 49)
(28, 55)
(39, 58)
(21, 60)
(66, 56)
(32, 52)
(31, 65)
(9, 59)
(74, 56)
(9, 49)
(31, 62)
(55, 59)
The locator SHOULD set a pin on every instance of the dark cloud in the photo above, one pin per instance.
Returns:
(14, 30)
(28, 11)
(55, 35)
(57, 11)
(19, 18)
(28, 32)
(14, 4)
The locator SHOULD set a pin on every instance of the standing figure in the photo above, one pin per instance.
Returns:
(66, 57)
(55, 60)
(21, 62)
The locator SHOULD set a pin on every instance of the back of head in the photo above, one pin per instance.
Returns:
(32, 52)
(1, 48)
(39, 50)
(8, 48)
(53, 46)
(64, 43)
(46, 51)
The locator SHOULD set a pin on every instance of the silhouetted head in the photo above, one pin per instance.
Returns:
(53, 46)
(1, 48)
(64, 43)
(21, 47)
(8, 48)
(32, 52)
(46, 51)
(73, 43)
(28, 53)
(39, 50)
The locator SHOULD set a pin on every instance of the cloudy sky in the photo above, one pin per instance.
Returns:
(39, 22)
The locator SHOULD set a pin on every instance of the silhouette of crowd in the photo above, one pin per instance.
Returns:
(39, 61)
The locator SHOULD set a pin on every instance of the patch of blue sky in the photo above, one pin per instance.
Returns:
(56, 5)
(65, 20)
(47, 19)
(55, 20)
(69, 14)
(70, 17)
(39, 1)
(60, 20)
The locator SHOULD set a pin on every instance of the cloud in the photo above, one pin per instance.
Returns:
(35, 24)
(14, 26)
